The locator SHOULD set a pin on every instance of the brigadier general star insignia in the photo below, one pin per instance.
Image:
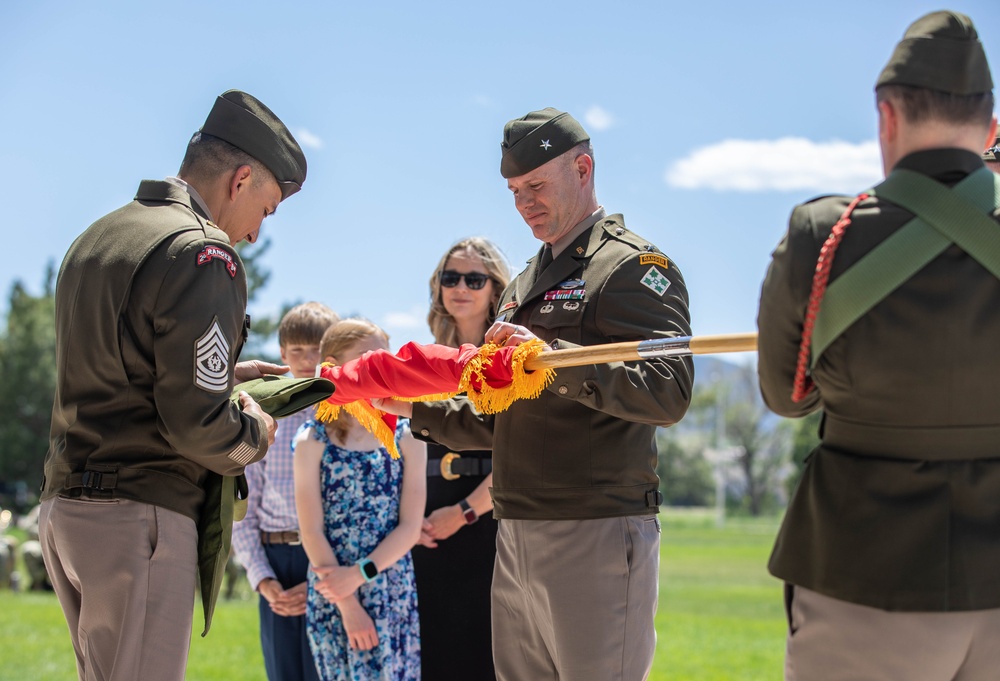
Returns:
(545, 145)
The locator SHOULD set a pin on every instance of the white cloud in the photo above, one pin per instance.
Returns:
(412, 319)
(308, 139)
(786, 164)
(598, 119)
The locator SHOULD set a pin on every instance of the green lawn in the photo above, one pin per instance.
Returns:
(720, 616)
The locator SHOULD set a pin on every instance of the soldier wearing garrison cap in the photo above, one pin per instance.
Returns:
(150, 320)
(575, 484)
(889, 546)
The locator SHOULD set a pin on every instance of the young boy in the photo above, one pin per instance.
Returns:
(267, 541)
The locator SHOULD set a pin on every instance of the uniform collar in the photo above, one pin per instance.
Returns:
(168, 192)
(195, 196)
(949, 165)
(567, 239)
(587, 242)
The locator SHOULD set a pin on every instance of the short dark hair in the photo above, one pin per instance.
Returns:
(920, 104)
(584, 147)
(208, 156)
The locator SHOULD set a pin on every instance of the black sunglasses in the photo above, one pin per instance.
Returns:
(474, 280)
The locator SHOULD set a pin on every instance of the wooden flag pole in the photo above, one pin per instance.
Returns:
(647, 349)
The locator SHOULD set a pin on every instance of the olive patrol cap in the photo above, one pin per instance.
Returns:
(537, 138)
(280, 396)
(244, 121)
(993, 153)
(940, 51)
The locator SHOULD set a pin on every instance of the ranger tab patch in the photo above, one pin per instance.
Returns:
(211, 360)
(655, 259)
(655, 281)
(210, 253)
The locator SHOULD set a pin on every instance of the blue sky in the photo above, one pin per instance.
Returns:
(710, 121)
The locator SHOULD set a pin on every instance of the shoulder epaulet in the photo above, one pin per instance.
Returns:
(619, 232)
(826, 196)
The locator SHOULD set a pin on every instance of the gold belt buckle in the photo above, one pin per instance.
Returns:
(446, 466)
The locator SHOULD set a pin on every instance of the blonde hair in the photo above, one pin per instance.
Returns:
(441, 322)
(335, 341)
(305, 324)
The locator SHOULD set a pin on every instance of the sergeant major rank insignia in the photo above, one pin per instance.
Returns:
(210, 253)
(211, 360)
(655, 281)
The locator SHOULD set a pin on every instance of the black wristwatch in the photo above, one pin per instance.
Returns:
(368, 569)
(468, 512)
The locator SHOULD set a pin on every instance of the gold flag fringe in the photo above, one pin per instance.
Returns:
(486, 398)
(368, 416)
(523, 385)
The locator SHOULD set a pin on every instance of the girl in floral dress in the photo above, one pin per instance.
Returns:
(360, 513)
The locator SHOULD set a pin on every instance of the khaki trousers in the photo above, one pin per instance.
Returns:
(574, 600)
(833, 640)
(124, 573)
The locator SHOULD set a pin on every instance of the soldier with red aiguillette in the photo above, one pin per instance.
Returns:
(883, 310)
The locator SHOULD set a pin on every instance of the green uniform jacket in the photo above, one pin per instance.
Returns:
(586, 447)
(150, 318)
(899, 507)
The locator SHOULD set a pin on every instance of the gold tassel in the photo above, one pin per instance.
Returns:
(487, 400)
(368, 416)
(523, 385)
(326, 412)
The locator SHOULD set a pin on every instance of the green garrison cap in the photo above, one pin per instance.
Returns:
(280, 396)
(534, 140)
(244, 121)
(940, 51)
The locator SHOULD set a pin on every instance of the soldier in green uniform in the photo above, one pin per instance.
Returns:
(891, 542)
(575, 487)
(150, 319)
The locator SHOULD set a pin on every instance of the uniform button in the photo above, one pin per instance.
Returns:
(425, 432)
(620, 231)
(563, 390)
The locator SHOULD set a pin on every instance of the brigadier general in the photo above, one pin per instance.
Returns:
(889, 547)
(150, 319)
(575, 582)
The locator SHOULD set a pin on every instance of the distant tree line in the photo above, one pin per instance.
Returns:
(729, 432)
(726, 415)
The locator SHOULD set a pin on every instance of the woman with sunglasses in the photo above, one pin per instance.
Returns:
(454, 560)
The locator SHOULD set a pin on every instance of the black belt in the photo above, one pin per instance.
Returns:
(291, 537)
(452, 466)
(96, 482)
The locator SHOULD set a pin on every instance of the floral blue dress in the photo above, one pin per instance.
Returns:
(361, 492)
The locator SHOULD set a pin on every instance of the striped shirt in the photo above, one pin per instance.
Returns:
(271, 504)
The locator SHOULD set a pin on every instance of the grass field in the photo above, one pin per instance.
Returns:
(720, 616)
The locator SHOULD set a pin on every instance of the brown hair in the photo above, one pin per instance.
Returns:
(336, 340)
(305, 324)
(208, 157)
(920, 104)
(443, 324)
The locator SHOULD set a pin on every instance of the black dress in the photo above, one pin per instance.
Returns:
(453, 583)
